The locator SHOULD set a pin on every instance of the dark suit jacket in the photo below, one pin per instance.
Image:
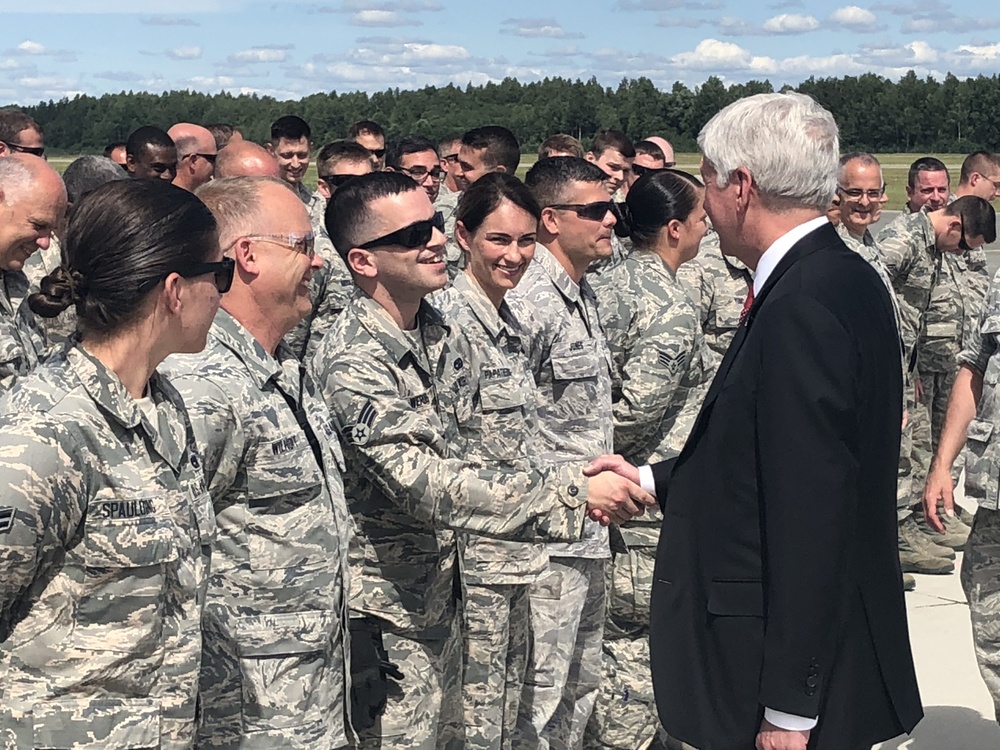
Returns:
(777, 579)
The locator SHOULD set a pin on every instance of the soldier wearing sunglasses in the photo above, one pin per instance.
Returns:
(20, 134)
(331, 286)
(399, 379)
(196, 152)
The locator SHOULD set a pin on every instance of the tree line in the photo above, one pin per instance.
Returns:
(874, 113)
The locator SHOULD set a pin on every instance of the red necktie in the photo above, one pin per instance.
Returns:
(747, 304)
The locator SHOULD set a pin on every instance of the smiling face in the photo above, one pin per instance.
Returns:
(859, 182)
(930, 188)
(500, 250)
(28, 218)
(293, 158)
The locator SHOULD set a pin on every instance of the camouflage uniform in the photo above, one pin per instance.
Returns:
(569, 358)
(658, 381)
(495, 573)
(105, 530)
(718, 287)
(981, 563)
(447, 204)
(39, 265)
(909, 254)
(330, 289)
(397, 398)
(303, 192)
(275, 664)
(22, 339)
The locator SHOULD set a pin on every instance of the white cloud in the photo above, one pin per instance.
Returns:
(980, 53)
(923, 53)
(853, 17)
(45, 82)
(790, 23)
(534, 28)
(9, 64)
(384, 18)
(29, 47)
(212, 81)
(712, 54)
(184, 53)
(260, 55)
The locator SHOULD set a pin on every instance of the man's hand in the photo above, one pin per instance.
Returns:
(614, 463)
(938, 489)
(613, 499)
(918, 390)
(771, 737)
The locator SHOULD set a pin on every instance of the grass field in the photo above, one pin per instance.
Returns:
(894, 169)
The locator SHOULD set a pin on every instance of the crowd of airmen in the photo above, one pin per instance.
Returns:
(301, 469)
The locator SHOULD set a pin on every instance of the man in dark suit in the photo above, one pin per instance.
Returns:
(777, 617)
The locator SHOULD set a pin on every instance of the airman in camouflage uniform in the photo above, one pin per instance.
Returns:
(105, 527)
(34, 203)
(976, 422)
(658, 382)
(275, 666)
(495, 573)
(399, 380)
(568, 356)
(718, 286)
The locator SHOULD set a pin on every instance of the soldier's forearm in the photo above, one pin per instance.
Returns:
(962, 405)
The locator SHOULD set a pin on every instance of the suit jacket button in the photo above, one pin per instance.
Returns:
(573, 490)
(811, 681)
(810, 691)
(813, 672)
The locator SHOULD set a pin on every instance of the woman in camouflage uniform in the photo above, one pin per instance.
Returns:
(104, 518)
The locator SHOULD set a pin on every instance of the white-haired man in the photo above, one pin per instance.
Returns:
(777, 617)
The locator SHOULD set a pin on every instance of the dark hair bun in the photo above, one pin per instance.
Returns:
(60, 289)
(623, 216)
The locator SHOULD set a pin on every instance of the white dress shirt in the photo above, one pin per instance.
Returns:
(765, 266)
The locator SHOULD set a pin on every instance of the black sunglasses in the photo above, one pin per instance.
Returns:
(640, 170)
(222, 269)
(378, 153)
(17, 148)
(210, 158)
(412, 236)
(590, 211)
(336, 180)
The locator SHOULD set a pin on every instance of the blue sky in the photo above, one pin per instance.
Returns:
(292, 48)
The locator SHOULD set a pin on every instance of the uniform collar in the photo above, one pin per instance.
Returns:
(554, 270)
(653, 263)
(496, 322)
(13, 285)
(232, 334)
(374, 318)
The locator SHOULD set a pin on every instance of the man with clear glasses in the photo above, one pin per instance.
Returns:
(275, 652)
(417, 157)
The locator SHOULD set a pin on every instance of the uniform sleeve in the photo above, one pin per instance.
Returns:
(43, 497)
(661, 354)
(402, 451)
(981, 343)
(218, 431)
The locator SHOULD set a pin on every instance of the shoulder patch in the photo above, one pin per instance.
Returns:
(673, 362)
(361, 432)
(6, 520)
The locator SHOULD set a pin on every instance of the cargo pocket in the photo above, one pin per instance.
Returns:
(96, 724)
(285, 667)
(504, 424)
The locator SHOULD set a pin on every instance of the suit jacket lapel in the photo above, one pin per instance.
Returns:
(819, 239)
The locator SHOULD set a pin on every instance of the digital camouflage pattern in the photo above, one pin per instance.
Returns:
(397, 399)
(659, 380)
(105, 531)
(980, 578)
(495, 573)
(718, 287)
(569, 359)
(275, 666)
(447, 205)
(22, 339)
(330, 289)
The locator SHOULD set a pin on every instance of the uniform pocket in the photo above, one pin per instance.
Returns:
(631, 584)
(96, 724)
(577, 360)
(504, 426)
(124, 557)
(285, 666)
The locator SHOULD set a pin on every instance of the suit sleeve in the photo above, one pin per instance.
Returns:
(806, 421)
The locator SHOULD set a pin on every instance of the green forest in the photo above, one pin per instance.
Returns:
(874, 113)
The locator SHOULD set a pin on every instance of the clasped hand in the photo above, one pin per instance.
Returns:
(614, 494)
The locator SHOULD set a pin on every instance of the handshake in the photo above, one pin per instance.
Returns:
(613, 491)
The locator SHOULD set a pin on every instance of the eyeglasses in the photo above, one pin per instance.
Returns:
(995, 183)
(378, 153)
(412, 236)
(223, 271)
(640, 170)
(336, 180)
(857, 193)
(300, 243)
(421, 173)
(210, 158)
(17, 148)
(451, 158)
(589, 211)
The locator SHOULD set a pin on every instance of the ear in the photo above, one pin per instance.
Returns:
(362, 262)
(500, 168)
(130, 163)
(549, 221)
(463, 236)
(744, 184)
(590, 157)
(246, 258)
(270, 148)
(324, 189)
(173, 290)
(674, 229)
(4, 149)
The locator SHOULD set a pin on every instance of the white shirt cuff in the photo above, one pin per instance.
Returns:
(790, 722)
(646, 480)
